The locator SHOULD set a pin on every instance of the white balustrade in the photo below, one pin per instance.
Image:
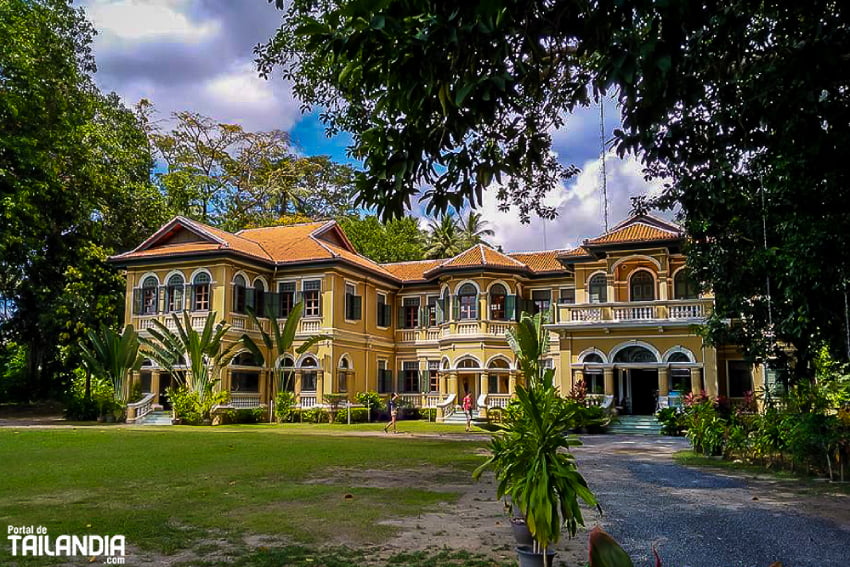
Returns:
(311, 326)
(498, 400)
(239, 323)
(467, 328)
(409, 336)
(308, 400)
(414, 400)
(433, 334)
(586, 314)
(244, 400)
(635, 313)
(687, 311)
(498, 329)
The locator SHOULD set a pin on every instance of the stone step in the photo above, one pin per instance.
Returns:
(156, 418)
(636, 425)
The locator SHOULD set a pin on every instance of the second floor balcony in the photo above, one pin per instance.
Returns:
(675, 311)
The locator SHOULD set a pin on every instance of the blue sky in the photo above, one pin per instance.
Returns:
(197, 55)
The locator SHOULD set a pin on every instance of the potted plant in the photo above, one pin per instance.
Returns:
(530, 455)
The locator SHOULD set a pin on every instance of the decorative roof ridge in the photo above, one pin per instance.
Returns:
(305, 223)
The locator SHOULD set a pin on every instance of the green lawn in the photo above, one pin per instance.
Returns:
(168, 489)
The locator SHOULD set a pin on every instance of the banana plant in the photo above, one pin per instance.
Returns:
(281, 338)
(112, 356)
(529, 342)
(204, 352)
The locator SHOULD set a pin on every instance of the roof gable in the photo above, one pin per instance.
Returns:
(638, 228)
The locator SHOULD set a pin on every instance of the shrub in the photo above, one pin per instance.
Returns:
(371, 400)
(358, 415)
(247, 415)
(100, 403)
(672, 422)
(705, 428)
(284, 406)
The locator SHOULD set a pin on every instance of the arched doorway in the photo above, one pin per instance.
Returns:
(467, 378)
(637, 386)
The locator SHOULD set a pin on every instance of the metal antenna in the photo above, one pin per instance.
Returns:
(602, 149)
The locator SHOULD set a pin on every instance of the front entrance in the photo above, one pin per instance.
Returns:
(467, 383)
(637, 390)
(165, 380)
(644, 391)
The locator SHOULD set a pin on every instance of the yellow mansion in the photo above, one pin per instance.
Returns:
(624, 314)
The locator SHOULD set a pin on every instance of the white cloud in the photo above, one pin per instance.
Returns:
(147, 20)
(579, 205)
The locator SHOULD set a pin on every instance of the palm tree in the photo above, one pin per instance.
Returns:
(280, 341)
(473, 230)
(444, 240)
(111, 356)
(203, 352)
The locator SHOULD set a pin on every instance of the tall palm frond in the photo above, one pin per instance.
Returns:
(473, 230)
(444, 239)
(280, 340)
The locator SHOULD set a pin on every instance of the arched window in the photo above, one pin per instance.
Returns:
(245, 380)
(597, 289)
(468, 363)
(684, 287)
(259, 298)
(309, 372)
(201, 292)
(642, 286)
(635, 354)
(239, 294)
(150, 296)
(342, 374)
(678, 357)
(286, 369)
(498, 296)
(592, 358)
(467, 301)
(174, 293)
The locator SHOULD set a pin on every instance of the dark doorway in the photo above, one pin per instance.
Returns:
(644, 391)
(165, 381)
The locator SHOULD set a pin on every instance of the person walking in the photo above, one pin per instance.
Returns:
(467, 409)
(392, 405)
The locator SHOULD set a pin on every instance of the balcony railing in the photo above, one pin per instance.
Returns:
(654, 311)
(147, 321)
(454, 329)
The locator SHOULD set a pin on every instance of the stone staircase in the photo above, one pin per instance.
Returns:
(156, 418)
(635, 425)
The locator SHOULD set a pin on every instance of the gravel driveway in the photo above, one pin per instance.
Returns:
(703, 518)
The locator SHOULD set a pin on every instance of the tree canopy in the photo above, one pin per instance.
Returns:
(397, 240)
(74, 186)
(742, 106)
(222, 174)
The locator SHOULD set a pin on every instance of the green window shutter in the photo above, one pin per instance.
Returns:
(424, 382)
(510, 307)
(274, 303)
(441, 311)
(160, 308)
(137, 301)
(357, 308)
(455, 315)
(423, 316)
(250, 300)
(400, 318)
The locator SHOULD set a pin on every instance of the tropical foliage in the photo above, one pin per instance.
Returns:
(740, 106)
(530, 456)
(74, 188)
(444, 238)
(203, 354)
(398, 240)
(112, 356)
(281, 340)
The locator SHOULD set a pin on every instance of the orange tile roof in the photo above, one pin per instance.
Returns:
(638, 228)
(544, 261)
(289, 243)
(412, 271)
(480, 255)
(575, 253)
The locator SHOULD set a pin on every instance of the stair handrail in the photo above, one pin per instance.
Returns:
(138, 410)
(447, 405)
